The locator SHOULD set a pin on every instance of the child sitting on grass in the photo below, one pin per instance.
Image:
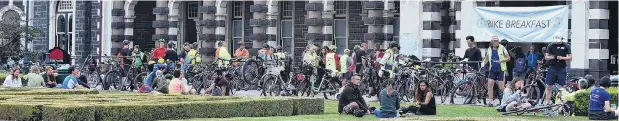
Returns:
(512, 97)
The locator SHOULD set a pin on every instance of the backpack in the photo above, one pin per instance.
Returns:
(520, 65)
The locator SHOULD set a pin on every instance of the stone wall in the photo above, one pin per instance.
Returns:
(40, 21)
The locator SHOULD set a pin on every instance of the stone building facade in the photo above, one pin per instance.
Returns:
(99, 27)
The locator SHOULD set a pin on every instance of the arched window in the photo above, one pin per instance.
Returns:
(64, 25)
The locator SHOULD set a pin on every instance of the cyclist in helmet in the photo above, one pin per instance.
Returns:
(388, 61)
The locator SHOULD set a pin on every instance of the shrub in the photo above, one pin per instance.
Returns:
(43, 91)
(582, 101)
(127, 106)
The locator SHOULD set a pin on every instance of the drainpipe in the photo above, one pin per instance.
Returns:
(100, 27)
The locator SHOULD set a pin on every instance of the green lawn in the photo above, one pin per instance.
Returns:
(445, 112)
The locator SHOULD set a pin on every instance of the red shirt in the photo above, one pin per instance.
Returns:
(159, 53)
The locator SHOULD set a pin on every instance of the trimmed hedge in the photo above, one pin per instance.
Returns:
(131, 106)
(43, 91)
(582, 101)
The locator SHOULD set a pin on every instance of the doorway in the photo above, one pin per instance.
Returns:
(142, 25)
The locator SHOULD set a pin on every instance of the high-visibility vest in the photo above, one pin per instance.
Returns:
(223, 54)
(190, 57)
(501, 51)
(330, 62)
(312, 57)
(344, 63)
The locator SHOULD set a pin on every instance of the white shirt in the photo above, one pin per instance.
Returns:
(10, 82)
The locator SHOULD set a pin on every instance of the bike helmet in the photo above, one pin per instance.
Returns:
(265, 45)
(394, 45)
(331, 47)
(126, 42)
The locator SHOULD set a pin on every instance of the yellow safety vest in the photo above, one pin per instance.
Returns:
(501, 52)
(312, 57)
(193, 54)
(223, 54)
(344, 63)
(330, 62)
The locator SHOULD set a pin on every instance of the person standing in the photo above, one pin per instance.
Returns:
(241, 52)
(472, 53)
(124, 55)
(388, 60)
(345, 62)
(497, 57)
(332, 61)
(533, 58)
(170, 54)
(558, 55)
(359, 55)
(223, 54)
(160, 52)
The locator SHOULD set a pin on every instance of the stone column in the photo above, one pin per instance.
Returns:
(375, 22)
(173, 22)
(129, 19)
(327, 17)
(388, 14)
(272, 17)
(579, 36)
(259, 23)
(598, 38)
(220, 17)
(161, 23)
(118, 32)
(207, 37)
(314, 22)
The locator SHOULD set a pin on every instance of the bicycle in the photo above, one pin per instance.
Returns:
(114, 77)
(473, 85)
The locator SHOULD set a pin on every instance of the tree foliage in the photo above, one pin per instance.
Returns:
(11, 35)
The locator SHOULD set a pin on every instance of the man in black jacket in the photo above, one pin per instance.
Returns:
(351, 98)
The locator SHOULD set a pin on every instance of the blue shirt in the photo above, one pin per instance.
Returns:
(532, 59)
(495, 65)
(69, 82)
(597, 98)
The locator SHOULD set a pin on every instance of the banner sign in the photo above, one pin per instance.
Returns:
(520, 24)
(409, 44)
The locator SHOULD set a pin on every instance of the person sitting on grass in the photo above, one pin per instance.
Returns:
(424, 99)
(49, 77)
(599, 102)
(176, 86)
(13, 80)
(70, 82)
(571, 97)
(351, 99)
(221, 82)
(149, 81)
(33, 78)
(512, 97)
(389, 102)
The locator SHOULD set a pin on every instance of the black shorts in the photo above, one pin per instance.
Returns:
(601, 115)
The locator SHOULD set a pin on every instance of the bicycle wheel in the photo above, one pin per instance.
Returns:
(464, 90)
(94, 79)
(446, 90)
(197, 82)
(250, 71)
(533, 94)
(112, 79)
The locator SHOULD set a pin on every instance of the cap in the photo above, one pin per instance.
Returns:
(265, 45)
(161, 40)
(126, 42)
(494, 38)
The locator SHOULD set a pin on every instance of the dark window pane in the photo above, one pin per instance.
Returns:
(238, 28)
(340, 28)
(286, 28)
